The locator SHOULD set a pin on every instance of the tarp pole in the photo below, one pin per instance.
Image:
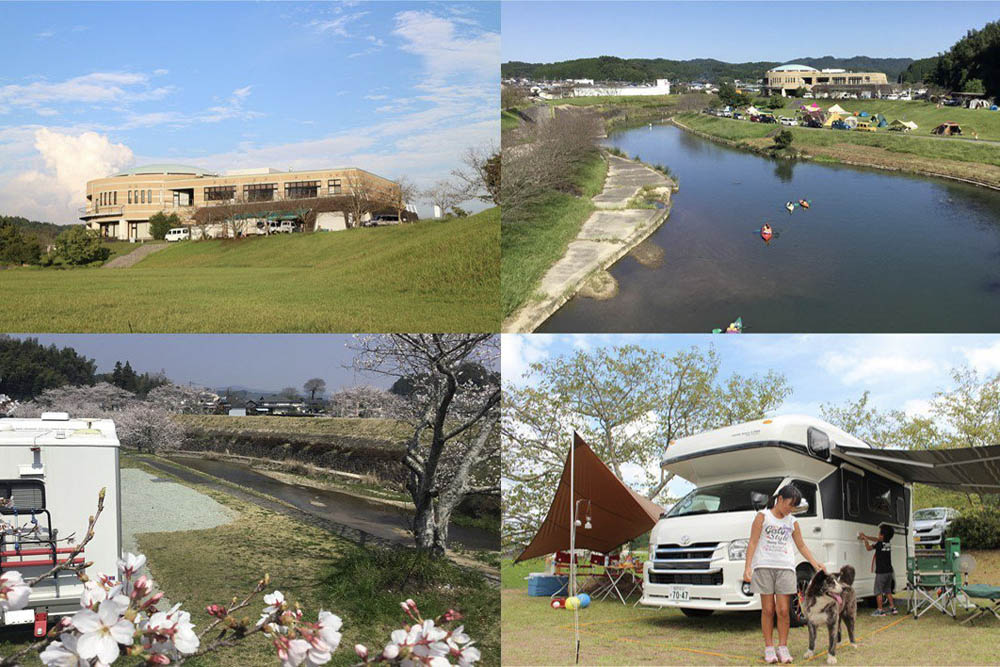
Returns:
(572, 541)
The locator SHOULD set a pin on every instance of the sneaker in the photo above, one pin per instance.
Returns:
(769, 655)
(893, 611)
(783, 655)
(878, 612)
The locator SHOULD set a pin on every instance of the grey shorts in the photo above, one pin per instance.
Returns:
(883, 583)
(771, 580)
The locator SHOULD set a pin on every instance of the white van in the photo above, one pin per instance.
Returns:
(697, 549)
(178, 234)
(281, 227)
(51, 472)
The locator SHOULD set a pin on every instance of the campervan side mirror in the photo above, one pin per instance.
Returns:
(818, 443)
(758, 499)
(802, 507)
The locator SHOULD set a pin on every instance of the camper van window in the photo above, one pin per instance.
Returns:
(729, 497)
(879, 498)
(808, 490)
(901, 511)
(853, 493)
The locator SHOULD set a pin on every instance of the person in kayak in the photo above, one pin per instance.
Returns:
(766, 230)
(790, 206)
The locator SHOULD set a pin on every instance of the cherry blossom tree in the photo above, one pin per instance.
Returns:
(455, 420)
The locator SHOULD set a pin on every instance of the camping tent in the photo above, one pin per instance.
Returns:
(882, 122)
(617, 514)
(836, 108)
(902, 125)
(752, 110)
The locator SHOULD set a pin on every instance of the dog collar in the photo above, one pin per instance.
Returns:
(837, 598)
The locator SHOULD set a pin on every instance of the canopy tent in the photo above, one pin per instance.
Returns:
(972, 469)
(811, 107)
(752, 110)
(902, 125)
(836, 108)
(617, 514)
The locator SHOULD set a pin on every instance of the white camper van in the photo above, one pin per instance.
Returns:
(51, 472)
(697, 549)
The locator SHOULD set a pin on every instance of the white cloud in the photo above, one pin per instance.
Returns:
(231, 109)
(855, 368)
(160, 72)
(339, 24)
(242, 93)
(917, 407)
(101, 88)
(518, 352)
(70, 160)
(983, 359)
(445, 52)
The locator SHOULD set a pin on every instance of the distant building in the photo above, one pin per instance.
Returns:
(119, 207)
(662, 87)
(787, 78)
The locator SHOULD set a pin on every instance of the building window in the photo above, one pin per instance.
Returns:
(114, 198)
(259, 191)
(129, 196)
(149, 196)
(142, 194)
(333, 187)
(301, 189)
(220, 193)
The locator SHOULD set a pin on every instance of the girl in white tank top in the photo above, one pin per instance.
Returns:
(775, 548)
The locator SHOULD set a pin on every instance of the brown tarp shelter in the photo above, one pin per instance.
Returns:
(617, 513)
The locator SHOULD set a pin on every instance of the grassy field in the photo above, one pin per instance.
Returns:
(429, 276)
(389, 430)
(508, 121)
(925, 114)
(529, 248)
(318, 570)
(601, 100)
(612, 634)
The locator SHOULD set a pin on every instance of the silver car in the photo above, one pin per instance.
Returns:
(930, 525)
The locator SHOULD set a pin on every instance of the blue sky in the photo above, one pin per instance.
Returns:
(90, 88)
(252, 360)
(901, 371)
(735, 31)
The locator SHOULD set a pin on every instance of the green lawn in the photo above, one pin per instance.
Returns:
(428, 276)
(925, 114)
(634, 101)
(917, 146)
(613, 634)
(531, 246)
(508, 121)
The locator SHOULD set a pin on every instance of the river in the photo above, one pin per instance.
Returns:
(875, 251)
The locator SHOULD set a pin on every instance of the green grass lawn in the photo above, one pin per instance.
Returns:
(428, 276)
(921, 147)
(508, 121)
(613, 634)
(530, 247)
(925, 114)
(633, 101)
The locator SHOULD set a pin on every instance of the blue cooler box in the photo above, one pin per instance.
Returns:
(546, 585)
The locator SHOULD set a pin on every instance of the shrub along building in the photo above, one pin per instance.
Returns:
(789, 78)
(244, 201)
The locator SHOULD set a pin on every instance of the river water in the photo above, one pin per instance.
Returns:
(875, 251)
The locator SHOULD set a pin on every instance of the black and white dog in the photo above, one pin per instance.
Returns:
(830, 599)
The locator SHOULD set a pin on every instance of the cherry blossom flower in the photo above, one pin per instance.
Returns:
(175, 627)
(131, 564)
(329, 629)
(14, 593)
(102, 631)
(63, 653)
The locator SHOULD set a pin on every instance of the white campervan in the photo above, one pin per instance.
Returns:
(697, 549)
(178, 234)
(51, 472)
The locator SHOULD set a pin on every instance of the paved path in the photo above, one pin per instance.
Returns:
(606, 236)
(125, 261)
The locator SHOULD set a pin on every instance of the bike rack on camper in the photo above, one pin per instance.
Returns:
(51, 472)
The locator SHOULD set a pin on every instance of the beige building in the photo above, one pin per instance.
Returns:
(120, 206)
(792, 77)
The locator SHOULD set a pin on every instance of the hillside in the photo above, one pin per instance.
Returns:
(43, 232)
(428, 276)
(610, 68)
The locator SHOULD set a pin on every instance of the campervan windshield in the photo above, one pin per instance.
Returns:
(728, 497)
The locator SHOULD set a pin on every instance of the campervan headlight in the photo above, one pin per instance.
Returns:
(738, 549)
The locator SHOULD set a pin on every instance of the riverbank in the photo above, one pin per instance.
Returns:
(965, 161)
(608, 234)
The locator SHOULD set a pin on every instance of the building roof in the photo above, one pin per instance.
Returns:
(793, 67)
(167, 169)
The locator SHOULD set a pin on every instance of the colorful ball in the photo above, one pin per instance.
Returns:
(557, 603)
(573, 603)
(584, 600)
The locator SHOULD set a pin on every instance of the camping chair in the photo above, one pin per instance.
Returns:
(934, 580)
(983, 592)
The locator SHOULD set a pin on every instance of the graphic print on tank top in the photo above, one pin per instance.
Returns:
(775, 546)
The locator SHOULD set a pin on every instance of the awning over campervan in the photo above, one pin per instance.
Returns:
(972, 469)
(617, 513)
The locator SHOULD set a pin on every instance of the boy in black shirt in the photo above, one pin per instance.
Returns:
(882, 562)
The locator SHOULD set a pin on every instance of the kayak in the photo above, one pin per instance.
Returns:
(766, 235)
(735, 327)
(803, 203)
(790, 206)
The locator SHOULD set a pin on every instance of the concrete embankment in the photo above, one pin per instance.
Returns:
(605, 237)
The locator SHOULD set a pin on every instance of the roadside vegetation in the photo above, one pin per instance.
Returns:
(428, 276)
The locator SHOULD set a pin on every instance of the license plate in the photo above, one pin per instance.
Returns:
(680, 593)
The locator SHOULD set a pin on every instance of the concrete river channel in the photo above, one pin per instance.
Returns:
(875, 251)
(379, 519)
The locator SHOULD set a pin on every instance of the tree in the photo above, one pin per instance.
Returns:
(367, 402)
(79, 245)
(147, 428)
(360, 200)
(289, 393)
(480, 177)
(97, 401)
(314, 385)
(28, 368)
(178, 399)
(454, 448)
(15, 248)
(512, 97)
(628, 403)
(160, 223)
(445, 194)
(403, 194)
(783, 139)
(971, 61)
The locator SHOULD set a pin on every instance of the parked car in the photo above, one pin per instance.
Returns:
(865, 126)
(768, 119)
(784, 120)
(178, 234)
(930, 525)
(840, 125)
(738, 116)
(281, 227)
